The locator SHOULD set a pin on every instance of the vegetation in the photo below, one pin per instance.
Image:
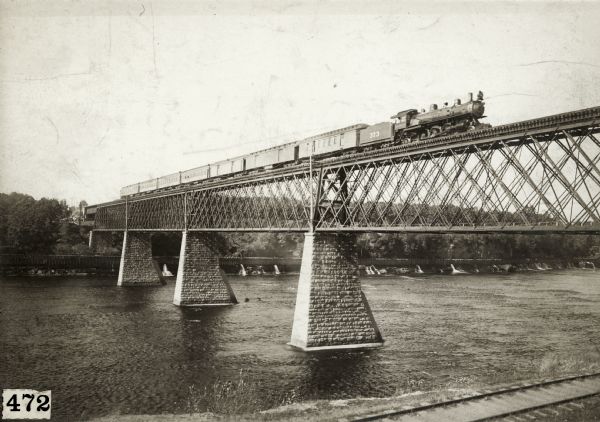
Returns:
(264, 244)
(481, 246)
(40, 226)
(232, 397)
(434, 246)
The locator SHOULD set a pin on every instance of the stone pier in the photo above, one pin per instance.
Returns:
(200, 280)
(331, 311)
(137, 267)
(100, 242)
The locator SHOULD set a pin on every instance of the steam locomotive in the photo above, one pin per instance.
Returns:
(411, 125)
(406, 126)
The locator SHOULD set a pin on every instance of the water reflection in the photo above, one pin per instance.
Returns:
(331, 372)
(200, 331)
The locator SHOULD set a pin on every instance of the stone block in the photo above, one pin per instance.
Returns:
(331, 309)
(200, 280)
(137, 266)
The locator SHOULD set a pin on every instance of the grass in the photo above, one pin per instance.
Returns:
(556, 366)
(232, 397)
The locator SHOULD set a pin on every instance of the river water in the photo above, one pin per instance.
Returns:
(105, 350)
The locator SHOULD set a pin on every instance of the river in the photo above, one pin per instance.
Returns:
(105, 350)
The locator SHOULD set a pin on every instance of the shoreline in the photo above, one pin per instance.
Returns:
(91, 265)
(336, 409)
(386, 273)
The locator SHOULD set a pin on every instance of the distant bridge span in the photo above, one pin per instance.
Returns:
(536, 176)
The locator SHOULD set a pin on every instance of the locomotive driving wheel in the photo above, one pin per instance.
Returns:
(435, 131)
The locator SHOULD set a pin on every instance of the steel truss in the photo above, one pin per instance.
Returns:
(547, 181)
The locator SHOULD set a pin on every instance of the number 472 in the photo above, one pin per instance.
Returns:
(42, 400)
(26, 403)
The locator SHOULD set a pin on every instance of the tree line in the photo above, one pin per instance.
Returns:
(434, 246)
(44, 226)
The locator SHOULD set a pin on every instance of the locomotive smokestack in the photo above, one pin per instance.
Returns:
(470, 96)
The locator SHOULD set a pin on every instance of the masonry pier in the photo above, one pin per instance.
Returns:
(200, 280)
(137, 266)
(331, 311)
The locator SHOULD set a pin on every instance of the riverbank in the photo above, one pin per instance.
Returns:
(322, 410)
(351, 409)
(58, 265)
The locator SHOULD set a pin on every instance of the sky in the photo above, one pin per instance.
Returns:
(97, 95)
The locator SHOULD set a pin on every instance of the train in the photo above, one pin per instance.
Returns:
(406, 126)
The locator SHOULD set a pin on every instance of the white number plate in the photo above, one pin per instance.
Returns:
(26, 404)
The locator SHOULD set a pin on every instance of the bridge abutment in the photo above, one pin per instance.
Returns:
(331, 310)
(200, 280)
(100, 242)
(137, 267)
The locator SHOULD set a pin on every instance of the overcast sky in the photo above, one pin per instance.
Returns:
(98, 95)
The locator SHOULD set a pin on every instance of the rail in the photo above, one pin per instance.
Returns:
(573, 389)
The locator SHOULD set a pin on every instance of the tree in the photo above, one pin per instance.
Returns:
(31, 226)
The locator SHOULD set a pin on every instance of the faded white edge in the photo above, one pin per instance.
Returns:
(179, 278)
(198, 305)
(337, 347)
(122, 261)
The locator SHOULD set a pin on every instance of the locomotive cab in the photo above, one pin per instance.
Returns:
(403, 118)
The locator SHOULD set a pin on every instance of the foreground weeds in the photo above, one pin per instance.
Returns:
(556, 366)
(242, 396)
(231, 397)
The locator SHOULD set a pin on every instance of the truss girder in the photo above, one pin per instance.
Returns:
(111, 217)
(536, 182)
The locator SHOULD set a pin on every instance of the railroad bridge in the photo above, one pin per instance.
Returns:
(535, 176)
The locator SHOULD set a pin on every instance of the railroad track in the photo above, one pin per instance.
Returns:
(514, 400)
